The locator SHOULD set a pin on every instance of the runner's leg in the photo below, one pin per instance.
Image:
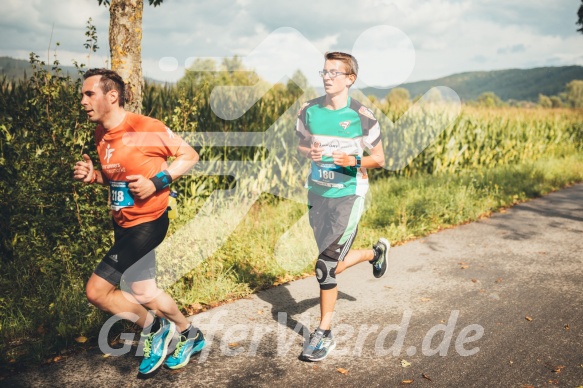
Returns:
(327, 304)
(107, 297)
(354, 257)
(150, 296)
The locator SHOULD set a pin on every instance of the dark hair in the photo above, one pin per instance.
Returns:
(110, 80)
(347, 59)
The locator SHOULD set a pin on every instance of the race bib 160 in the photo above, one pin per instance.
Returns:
(331, 175)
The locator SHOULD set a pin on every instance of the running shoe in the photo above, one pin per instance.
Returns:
(185, 348)
(156, 346)
(318, 346)
(379, 265)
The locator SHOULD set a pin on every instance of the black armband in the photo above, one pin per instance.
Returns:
(161, 180)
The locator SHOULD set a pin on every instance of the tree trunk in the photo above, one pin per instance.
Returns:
(125, 45)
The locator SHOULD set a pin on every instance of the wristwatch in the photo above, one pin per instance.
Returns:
(356, 161)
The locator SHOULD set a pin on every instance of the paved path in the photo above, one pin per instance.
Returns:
(495, 303)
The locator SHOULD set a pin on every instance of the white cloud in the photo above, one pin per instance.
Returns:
(283, 52)
(37, 26)
(386, 56)
(448, 36)
(79, 12)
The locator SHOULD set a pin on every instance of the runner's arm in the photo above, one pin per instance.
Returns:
(375, 159)
(85, 172)
(186, 158)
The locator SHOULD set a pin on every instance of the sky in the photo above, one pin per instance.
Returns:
(395, 41)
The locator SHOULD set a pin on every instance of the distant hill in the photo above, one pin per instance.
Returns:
(16, 69)
(515, 84)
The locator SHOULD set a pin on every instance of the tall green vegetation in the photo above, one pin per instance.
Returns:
(575, 94)
(572, 97)
(210, 98)
(52, 231)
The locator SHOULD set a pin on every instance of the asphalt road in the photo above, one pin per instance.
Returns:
(494, 303)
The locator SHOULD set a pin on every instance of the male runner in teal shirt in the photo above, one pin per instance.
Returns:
(334, 131)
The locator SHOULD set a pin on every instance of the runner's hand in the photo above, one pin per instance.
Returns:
(83, 170)
(316, 152)
(140, 187)
(342, 159)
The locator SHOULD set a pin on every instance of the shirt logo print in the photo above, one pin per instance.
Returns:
(345, 124)
(108, 153)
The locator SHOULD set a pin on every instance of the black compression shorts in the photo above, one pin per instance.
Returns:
(133, 249)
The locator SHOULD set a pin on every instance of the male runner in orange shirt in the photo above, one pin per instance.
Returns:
(133, 152)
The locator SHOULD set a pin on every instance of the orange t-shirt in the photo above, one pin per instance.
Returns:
(140, 145)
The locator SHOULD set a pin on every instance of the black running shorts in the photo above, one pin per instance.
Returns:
(132, 254)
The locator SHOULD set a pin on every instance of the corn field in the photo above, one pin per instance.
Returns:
(257, 152)
(483, 138)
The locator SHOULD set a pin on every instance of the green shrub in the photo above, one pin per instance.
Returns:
(52, 230)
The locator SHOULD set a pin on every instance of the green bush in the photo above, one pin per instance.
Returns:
(52, 231)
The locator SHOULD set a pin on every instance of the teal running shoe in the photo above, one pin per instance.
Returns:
(156, 346)
(379, 264)
(318, 346)
(185, 348)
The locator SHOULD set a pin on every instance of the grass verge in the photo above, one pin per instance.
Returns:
(274, 243)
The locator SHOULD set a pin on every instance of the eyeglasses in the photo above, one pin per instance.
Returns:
(332, 73)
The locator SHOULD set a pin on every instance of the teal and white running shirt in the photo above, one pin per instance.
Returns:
(351, 129)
